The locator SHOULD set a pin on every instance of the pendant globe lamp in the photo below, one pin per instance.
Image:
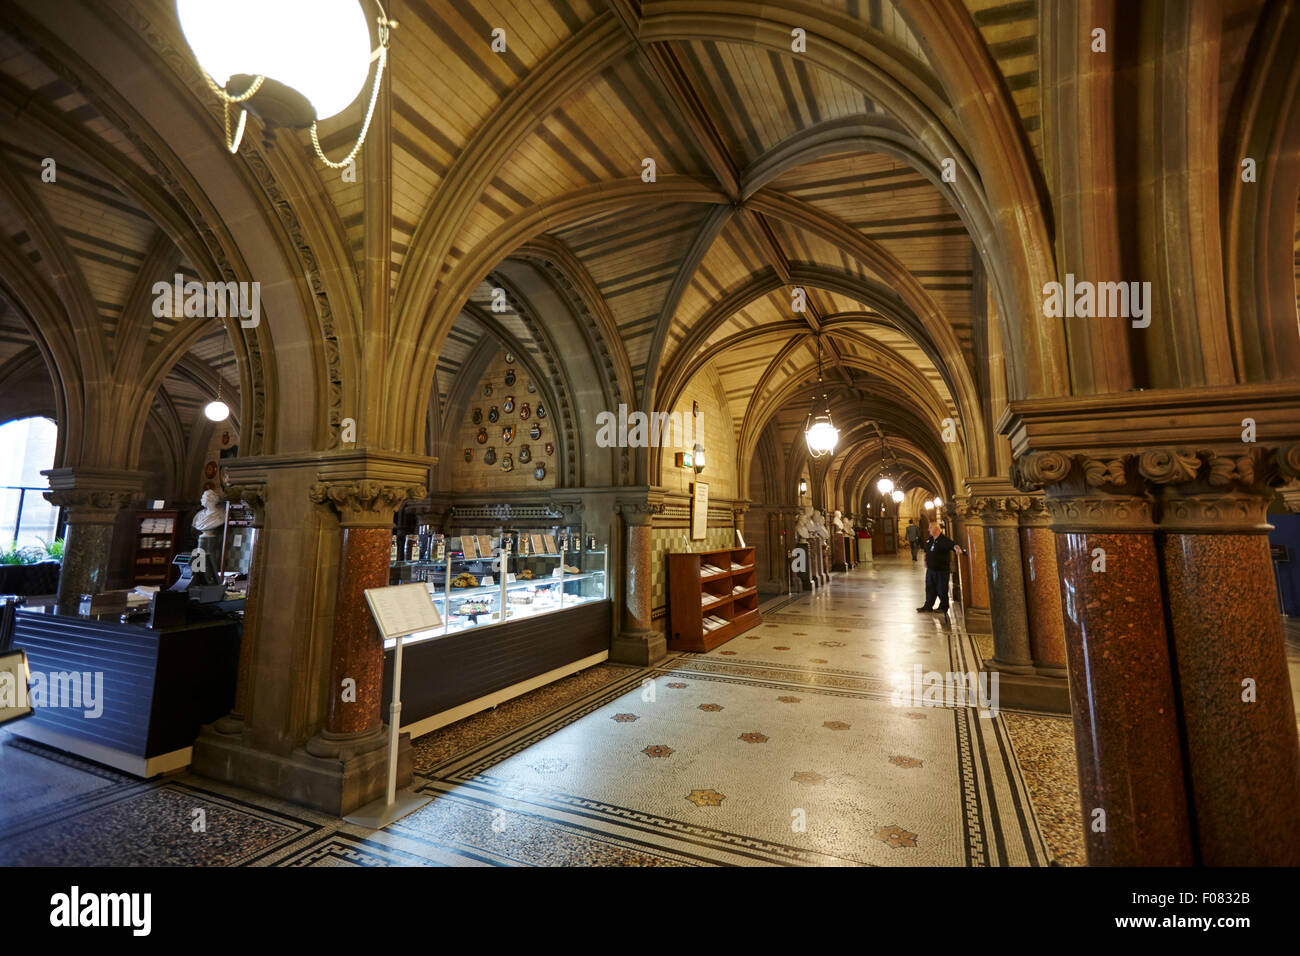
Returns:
(217, 410)
(818, 430)
(290, 62)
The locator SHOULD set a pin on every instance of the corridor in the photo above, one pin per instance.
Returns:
(783, 746)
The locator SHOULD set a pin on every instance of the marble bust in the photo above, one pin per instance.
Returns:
(837, 522)
(804, 527)
(819, 524)
(213, 515)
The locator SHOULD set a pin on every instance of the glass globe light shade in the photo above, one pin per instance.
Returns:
(898, 497)
(929, 506)
(321, 48)
(822, 436)
(217, 411)
(938, 502)
(885, 485)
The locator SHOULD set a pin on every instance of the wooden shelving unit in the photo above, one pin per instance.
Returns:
(731, 594)
(155, 546)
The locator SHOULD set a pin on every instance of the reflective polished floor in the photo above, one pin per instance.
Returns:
(793, 744)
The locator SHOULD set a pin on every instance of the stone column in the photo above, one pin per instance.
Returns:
(92, 499)
(1126, 732)
(366, 508)
(975, 604)
(233, 723)
(1042, 590)
(1239, 725)
(1000, 515)
(638, 640)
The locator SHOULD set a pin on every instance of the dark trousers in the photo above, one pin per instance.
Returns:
(915, 545)
(936, 586)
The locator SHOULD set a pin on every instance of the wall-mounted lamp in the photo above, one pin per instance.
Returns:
(929, 506)
(898, 497)
(803, 487)
(698, 452)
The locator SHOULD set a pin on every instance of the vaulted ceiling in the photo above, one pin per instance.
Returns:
(798, 200)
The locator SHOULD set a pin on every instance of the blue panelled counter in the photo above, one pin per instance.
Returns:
(152, 687)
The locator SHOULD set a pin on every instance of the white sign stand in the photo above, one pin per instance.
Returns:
(399, 611)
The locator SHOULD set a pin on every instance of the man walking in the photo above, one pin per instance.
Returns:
(913, 536)
(938, 557)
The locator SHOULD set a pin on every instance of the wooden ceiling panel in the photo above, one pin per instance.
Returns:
(633, 260)
(881, 15)
(1010, 29)
(758, 99)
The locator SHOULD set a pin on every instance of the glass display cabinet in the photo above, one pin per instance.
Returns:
(481, 579)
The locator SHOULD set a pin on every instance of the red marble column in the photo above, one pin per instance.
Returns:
(1125, 712)
(1042, 591)
(1238, 718)
(639, 640)
(357, 651)
(975, 590)
(353, 723)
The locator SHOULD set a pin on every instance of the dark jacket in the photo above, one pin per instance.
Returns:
(938, 552)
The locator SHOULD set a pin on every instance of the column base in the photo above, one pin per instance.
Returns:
(1016, 691)
(346, 746)
(231, 725)
(331, 786)
(641, 648)
(979, 620)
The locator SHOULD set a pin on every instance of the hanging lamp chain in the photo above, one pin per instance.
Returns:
(383, 29)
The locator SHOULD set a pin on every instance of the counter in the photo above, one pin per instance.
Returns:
(152, 688)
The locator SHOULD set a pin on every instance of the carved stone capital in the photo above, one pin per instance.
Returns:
(1036, 514)
(1038, 469)
(90, 507)
(999, 509)
(93, 495)
(364, 503)
(1232, 512)
(1288, 461)
(253, 495)
(1106, 513)
(640, 511)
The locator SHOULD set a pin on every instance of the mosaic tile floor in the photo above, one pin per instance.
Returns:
(784, 746)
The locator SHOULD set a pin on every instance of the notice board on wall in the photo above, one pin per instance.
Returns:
(699, 511)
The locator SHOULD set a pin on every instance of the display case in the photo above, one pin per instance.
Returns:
(474, 578)
(520, 607)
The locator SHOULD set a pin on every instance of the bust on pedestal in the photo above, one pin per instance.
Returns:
(206, 523)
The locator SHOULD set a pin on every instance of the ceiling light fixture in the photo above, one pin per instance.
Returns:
(818, 430)
(898, 497)
(293, 62)
(217, 410)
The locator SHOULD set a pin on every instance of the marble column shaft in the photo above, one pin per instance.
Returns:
(975, 596)
(92, 499)
(1006, 582)
(638, 604)
(1042, 591)
(638, 640)
(1125, 712)
(366, 510)
(1238, 714)
(87, 547)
